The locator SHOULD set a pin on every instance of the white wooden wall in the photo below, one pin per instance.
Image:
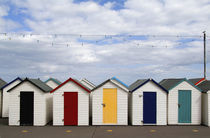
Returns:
(0, 103)
(52, 84)
(5, 106)
(49, 107)
(130, 114)
(137, 104)
(97, 108)
(90, 98)
(205, 110)
(40, 108)
(208, 108)
(173, 104)
(58, 104)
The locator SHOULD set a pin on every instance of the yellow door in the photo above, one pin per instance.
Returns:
(110, 106)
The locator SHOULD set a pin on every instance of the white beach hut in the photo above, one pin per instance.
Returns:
(53, 82)
(110, 103)
(5, 94)
(148, 103)
(91, 86)
(204, 85)
(2, 84)
(71, 103)
(30, 103)
(184, 102)
(87, 83)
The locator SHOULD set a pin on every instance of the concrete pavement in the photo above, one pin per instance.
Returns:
(102, 131)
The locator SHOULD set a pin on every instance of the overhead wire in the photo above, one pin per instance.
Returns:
(103, 38)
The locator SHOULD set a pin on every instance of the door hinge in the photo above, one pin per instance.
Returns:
(63, 120)
(18, 95)
(62, 94)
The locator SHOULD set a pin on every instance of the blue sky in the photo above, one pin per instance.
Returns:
(118, 4)
(91, 51)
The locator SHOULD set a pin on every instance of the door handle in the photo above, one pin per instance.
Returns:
(104, 105)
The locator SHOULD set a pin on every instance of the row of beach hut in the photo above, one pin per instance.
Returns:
(180, 101)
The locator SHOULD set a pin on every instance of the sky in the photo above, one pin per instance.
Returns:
(99, 39)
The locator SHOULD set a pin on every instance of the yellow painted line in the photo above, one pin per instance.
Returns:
(195, 130)
(68, 131)
(109, 130)
(24, 131)
(152, 130)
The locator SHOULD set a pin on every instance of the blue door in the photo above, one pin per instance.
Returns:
(184, 105)
(149, 107)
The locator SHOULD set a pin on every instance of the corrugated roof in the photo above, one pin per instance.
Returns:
(136, 84)
(204, 86)
(195, 80)
(169, 83)
(36, 82)
(2, 83)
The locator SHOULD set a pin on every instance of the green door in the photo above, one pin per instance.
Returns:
(184, 106)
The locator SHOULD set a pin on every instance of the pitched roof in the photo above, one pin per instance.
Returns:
(2, 83)
(36, 82)
(196, 81)
(82, 84)
(54, 80)
(18, 78)
(87, 82)
(139, 83)
(73, 80)
(117, 84)
(204, 86)
(171, 83)
(101, 84)
(119, 81)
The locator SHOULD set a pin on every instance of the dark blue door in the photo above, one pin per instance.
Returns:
(149, 107)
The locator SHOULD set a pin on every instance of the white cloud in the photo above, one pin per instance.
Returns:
(26, 56)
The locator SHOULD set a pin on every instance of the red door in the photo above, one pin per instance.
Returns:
(70, 108)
